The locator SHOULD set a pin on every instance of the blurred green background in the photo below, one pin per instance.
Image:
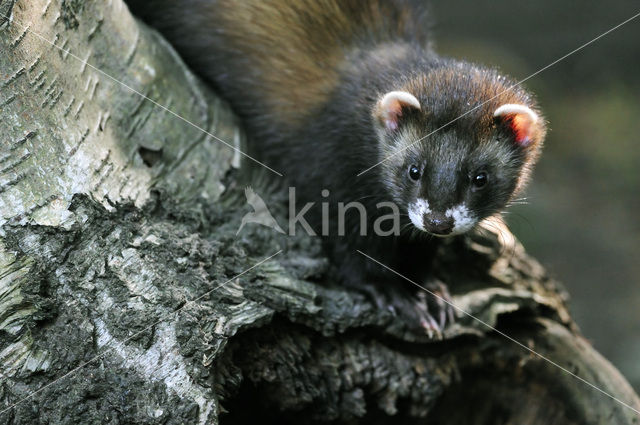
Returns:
(582, 221)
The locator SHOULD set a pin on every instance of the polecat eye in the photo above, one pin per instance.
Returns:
(480, 180)
(414, 172)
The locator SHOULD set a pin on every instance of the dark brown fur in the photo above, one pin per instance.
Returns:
(290, 53)
(306, 77)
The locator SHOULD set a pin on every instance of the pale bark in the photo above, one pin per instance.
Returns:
(114, 213)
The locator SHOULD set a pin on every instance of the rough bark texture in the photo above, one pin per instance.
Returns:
(124, 290)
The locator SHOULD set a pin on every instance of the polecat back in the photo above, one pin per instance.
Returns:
(278, 60)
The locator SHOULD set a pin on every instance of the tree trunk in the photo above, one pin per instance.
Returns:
(127, 297)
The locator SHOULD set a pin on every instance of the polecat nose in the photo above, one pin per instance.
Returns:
(438, 224)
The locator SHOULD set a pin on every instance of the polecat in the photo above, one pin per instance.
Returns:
(328, 88)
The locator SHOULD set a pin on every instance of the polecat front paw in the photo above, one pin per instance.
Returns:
(419, 310)
(438, 303)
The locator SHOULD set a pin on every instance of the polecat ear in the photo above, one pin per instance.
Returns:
(523, 122)
(388, 110)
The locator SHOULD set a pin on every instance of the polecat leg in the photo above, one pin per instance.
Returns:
(438, 301)
(418, 310)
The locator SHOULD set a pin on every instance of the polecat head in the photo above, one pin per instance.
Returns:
(457, 143)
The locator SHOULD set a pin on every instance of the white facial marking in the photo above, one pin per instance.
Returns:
(462, 219)
(417, 210)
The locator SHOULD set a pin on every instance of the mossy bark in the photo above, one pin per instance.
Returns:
(127, 297)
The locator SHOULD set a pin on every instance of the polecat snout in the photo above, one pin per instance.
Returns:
(328, 88)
